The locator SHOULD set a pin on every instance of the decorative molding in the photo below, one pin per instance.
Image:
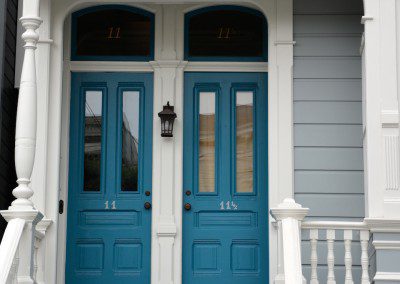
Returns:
(390, 119)
(168, 64)
(387, 276)
(364, 19)
(391, 143)
(227, 67)
(43, 225)
(386, 245)
(289, 209)
(166, 230)
(109, 66)
(285, 42)
(336, 225)
(382, 225)
(46, 41)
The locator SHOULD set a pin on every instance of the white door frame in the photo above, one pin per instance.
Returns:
(168, 69)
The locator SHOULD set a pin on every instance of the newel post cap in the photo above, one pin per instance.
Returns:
(289, 209)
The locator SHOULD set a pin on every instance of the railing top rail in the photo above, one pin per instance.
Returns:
(334, 225)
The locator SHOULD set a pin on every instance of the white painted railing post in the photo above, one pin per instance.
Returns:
(348, 261)
(364, 238)
(330, 238)
(22, 207)
(288, 214)
(314, 256)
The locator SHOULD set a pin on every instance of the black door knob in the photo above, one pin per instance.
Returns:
(188, 206)
(147, 205)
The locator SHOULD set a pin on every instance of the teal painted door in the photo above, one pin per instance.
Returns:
(225, 228)
(108, 233)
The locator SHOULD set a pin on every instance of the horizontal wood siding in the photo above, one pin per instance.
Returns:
(327, 122)
(8, 102)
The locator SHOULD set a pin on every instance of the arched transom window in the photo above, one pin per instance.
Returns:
(226, 33)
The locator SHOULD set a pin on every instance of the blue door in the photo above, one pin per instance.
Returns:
(109, 209)
(225, 223)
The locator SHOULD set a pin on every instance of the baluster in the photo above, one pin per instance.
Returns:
(364, 238)
(35, 255)
(314, 256)
(330, 237)
(348, 261)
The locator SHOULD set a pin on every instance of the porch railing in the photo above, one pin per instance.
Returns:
(9, 251)
(289, 216)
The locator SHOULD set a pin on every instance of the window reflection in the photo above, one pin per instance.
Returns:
(207, 142)
(93, 134)
(244, 142)
(130, 140)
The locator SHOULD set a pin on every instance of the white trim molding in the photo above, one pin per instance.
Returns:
(387, 276)
(383, 225)
(386, 245)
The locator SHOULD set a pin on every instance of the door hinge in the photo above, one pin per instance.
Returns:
(61, 206)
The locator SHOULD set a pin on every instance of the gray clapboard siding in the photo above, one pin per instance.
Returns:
(343, 7)
(331, 135)
(327, 67)
(338, 205)
(327, 90)
(311, 45)
(335, 182)
(327, 112)
(327, 24)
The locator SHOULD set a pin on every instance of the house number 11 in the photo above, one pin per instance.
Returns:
(229, 205)
(113, 207)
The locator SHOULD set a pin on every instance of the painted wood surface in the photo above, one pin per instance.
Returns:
(8, 102)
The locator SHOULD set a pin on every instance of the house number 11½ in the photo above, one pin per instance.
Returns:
(229, 205)
(113, 207)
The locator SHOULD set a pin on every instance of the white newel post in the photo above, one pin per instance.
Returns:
(289, 214)
(25, 143)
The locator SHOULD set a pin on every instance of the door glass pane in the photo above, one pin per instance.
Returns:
(130, 140)
(93, 133)
(207, 142)
(244, 142)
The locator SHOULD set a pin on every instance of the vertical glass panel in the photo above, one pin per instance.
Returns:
(244, 142)
(93, 133)
(207, 142)
(130, 140)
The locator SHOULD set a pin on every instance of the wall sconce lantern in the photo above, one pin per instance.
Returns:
(167, 116)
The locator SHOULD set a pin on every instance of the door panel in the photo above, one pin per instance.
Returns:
(109, 178)
(225, 232)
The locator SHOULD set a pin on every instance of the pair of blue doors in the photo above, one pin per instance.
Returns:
(225, 232)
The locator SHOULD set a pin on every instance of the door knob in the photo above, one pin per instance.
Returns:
(188, 206)
(147, 205)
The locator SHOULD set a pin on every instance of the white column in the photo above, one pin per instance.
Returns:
(25, 136)
(25, 144)
(289, 214)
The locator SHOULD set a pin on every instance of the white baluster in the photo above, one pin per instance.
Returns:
(364, 238)
(25, 133)
(330, 238)
(348, 261)
(314, 256)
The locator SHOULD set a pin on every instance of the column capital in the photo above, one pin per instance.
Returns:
(289, 209)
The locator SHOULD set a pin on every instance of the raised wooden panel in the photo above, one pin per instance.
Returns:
(327, 90)
(328, 112)
(328, 7)
(128, 255)
(327, 67)
(90, 256)
(327, 24)
(327, 45)
(328, 159)
(245, 257)
(110, 218)
(206, 257)
(225, 219)
(330, 135)
(327, 205)
(329, 182)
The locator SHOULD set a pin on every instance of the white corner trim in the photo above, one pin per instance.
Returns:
(387, 276)
(386, 245)
(366, 18)
(382, 225)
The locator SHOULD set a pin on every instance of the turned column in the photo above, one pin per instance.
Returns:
(25, 136)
